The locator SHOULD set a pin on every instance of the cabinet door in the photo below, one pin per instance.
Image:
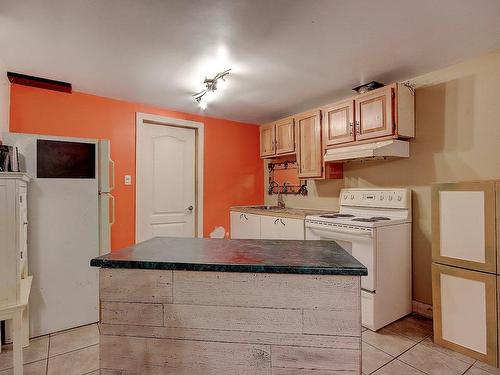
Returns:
(279, 228)
(463, 225)
(23, 230)
(465, 313)
(374, 114)
(267, 137)
(245, 226)
(338, 123)
(310, 158)
(285, 136)
(8, 248)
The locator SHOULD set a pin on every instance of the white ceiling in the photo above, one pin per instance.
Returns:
(286, 55)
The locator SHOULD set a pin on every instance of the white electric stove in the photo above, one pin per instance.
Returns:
(374, 225)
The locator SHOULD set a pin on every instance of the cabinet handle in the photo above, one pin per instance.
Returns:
(281, 221)
(351, 128)
(358, 127)
(245, 216)
(112, 184)
(276, 221)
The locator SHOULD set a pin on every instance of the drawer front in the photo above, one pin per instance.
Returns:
(465, 312)
(463, 225)
(245, 226)
(279, 228)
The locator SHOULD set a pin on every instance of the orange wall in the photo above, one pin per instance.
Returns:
(233, 169)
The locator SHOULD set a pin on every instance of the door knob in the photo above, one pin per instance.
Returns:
(190, 208)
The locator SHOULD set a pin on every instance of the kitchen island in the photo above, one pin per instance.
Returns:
(190, 306)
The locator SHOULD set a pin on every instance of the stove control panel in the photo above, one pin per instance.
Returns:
(384, 198)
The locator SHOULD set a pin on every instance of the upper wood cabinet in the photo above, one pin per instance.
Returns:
(309, 148)
(374, 114)
(285, 136)
(267, 147)
(277, 138)
(338, 123)
(384, 113)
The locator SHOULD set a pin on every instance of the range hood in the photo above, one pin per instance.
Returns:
(393, 148)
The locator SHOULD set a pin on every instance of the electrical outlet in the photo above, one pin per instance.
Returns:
(128, 179)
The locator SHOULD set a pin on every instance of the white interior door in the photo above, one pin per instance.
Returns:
(165, 181)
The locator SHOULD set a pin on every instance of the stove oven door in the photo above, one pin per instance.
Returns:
(360, 244)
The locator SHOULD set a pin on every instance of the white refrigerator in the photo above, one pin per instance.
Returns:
(69, 224)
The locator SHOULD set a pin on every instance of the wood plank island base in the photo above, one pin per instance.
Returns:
(216, 307)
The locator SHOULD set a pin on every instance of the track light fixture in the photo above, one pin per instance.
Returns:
(205, 96)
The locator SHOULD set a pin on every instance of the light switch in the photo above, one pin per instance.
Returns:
(128, 179)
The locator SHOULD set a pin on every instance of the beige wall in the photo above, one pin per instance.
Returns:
(458, 139)
(4, 100)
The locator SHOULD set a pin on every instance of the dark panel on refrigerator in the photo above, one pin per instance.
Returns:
(62, 159)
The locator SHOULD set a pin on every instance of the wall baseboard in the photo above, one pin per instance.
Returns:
(421, 308)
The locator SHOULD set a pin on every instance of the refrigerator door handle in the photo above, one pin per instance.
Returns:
(112, 182)
(112, 198)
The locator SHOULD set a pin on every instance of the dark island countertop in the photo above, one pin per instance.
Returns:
(221, 255)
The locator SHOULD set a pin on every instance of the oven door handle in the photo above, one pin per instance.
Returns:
(327, 229)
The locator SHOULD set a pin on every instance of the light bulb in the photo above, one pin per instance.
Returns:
(221, 84)
(202, 104)
(209, 96)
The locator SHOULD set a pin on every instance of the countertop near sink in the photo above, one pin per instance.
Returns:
(292, 213)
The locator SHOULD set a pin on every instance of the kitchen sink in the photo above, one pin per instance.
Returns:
(267, 208)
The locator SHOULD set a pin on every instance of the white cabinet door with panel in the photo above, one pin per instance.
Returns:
(280, 228)
(245, 226)
(465, 314)
(13, 236)
(463, 225)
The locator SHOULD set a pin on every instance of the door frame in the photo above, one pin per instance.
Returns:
(198, 127)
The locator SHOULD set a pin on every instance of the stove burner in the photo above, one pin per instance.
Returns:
(380, 218)
(364, 219)
(336, 216)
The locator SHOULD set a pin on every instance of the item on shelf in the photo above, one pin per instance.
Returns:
(9, 159)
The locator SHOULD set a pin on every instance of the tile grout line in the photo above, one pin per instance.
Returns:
(419, 342)
(74, 350)
(399, 355)
(392, 355)
(47, 363)
(468, 368)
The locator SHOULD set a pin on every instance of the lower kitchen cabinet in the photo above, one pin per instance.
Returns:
(465, 311)
(245, 226)
(250, 226)
(280, 228)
